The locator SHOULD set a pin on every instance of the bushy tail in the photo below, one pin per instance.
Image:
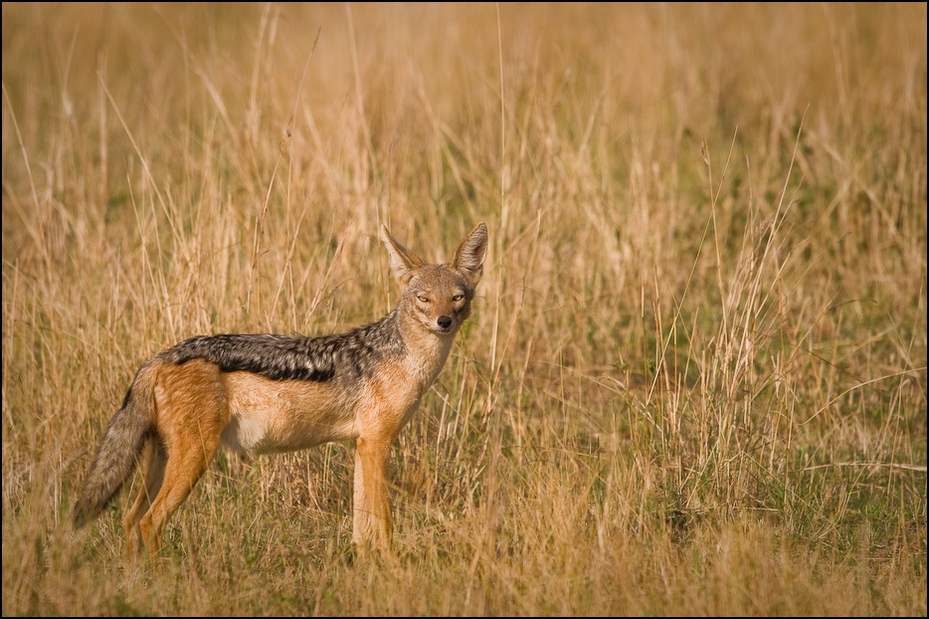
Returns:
(119, 450)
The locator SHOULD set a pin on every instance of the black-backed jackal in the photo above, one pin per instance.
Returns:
(262, 393)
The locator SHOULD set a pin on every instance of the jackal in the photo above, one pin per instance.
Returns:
(265, 393)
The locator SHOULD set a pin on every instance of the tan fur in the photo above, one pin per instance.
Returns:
(182, 407)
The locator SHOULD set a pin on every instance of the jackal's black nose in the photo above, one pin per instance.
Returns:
(444, 321)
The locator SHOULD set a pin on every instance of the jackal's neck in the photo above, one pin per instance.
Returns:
(426, 350)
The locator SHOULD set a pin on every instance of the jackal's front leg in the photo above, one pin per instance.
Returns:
(371, 520)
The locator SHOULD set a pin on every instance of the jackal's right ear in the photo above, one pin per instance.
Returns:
(469, 257)
(402, 261)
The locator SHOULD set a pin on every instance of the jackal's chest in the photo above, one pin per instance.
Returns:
(391, 397)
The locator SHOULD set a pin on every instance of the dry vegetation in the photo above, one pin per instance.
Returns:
(695, 381)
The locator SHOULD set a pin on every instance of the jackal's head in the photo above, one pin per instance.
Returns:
(438, 296)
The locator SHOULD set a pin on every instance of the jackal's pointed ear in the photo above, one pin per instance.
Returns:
(402, 261)
(469, 258)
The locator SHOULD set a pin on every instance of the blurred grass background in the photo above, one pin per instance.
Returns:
(695, 378)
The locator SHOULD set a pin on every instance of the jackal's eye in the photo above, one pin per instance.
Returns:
(423, 298)
(458, 297)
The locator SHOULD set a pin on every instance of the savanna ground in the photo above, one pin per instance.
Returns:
(695, 379)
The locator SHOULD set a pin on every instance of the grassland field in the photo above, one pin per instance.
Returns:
(694, 382)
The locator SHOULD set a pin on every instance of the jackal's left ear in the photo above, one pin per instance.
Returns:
(469, 258)
(402, 261)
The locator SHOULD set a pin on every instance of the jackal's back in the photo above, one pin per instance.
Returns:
(347, 356)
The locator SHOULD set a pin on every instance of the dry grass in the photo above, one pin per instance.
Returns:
(695, 382)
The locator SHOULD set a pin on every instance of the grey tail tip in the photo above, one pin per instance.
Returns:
(78, 520)
(82, 515)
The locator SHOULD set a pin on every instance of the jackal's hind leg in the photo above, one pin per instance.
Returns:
(191, 411)
(185, 464)
(154, 476)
